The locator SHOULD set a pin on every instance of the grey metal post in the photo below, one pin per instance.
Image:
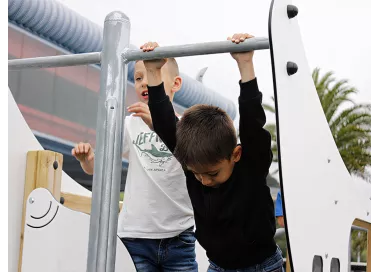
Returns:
(110, 123)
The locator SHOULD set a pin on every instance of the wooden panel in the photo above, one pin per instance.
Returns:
(43, 170)
(46, 172)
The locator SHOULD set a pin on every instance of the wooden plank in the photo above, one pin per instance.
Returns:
(41, 172)
(30, 185)
(362, 224)
(366, 225)
(79, 203)
(47, 175)
(287, 269)
(369, 249)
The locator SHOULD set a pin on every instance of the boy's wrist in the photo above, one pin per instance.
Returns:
(153, 70)
(245, 61)
(88, 167)
(154, 76)
(245, 64)
(247, 72)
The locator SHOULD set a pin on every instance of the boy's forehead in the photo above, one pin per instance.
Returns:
(200, 169)
(139, 66)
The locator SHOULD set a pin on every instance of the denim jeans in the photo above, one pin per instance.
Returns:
(272, 264)
(170, 254)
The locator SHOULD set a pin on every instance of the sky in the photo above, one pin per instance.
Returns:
(336, 36)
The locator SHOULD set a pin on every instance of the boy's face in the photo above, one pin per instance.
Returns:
(217, 174)
(141, 82)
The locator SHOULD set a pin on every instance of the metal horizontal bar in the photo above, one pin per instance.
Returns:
(55, 61)
(358, 264)
(196, 49)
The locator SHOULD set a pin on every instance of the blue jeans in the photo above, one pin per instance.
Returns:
(272, 264)
(170, 254)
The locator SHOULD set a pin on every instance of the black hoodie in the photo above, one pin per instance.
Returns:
(235, 222)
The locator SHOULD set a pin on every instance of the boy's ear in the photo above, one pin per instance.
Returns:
(177, 84)
(236, 154)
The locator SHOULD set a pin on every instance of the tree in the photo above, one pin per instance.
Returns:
(350, 123)
(358, 246)
(350, 126)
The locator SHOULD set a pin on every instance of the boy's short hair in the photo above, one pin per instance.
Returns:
(205, 136)
(173, 67)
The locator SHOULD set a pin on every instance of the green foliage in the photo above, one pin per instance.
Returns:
(350, 125)
(358, 245)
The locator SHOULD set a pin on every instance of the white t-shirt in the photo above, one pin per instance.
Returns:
(156, 202)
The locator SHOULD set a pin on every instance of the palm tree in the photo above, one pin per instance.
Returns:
(350, 126)
(350, 123)
(359, 245)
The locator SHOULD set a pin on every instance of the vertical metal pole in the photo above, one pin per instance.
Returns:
(110, 122)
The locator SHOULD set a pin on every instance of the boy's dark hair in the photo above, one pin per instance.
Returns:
(205, 136)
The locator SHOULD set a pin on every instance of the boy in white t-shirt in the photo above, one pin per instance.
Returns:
(156, 222)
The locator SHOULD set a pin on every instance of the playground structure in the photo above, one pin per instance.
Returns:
(57, 229)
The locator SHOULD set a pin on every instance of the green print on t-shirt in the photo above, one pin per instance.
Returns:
(158, 156)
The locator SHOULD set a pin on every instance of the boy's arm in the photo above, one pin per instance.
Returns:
(255, 140)
(84, 153)
(163, 116)
(161, 109)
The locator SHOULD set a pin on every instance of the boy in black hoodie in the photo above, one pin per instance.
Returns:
(233, 208)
